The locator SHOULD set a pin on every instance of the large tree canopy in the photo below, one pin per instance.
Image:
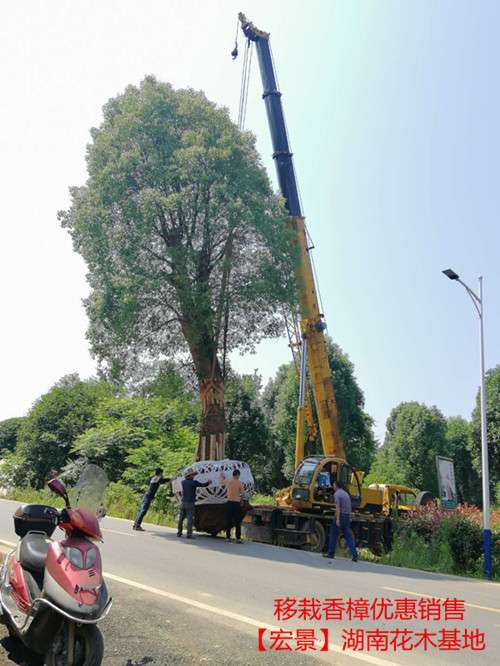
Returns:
(186, 245)
(415, 434)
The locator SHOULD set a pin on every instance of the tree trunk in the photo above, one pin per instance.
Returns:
(211, 385)
(211, 441)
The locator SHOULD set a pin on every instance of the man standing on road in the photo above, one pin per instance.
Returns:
(189, 486)
(235, 492)
(156, 481)
(342, 522)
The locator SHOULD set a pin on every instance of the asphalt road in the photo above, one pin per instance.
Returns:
(203, 601)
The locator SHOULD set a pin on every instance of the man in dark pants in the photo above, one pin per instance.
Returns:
(189, 486)
(342, 522)
(235, 492)
(156, 481)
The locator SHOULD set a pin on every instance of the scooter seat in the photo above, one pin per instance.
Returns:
(33, 552)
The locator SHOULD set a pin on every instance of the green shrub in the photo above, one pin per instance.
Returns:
(415, 552)
(120, 501)
(466, 544)
(28, 495)
(258, 498)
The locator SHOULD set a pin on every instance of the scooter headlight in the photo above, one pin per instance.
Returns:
(75, 556)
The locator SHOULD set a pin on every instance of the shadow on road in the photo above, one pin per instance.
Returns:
(302, 558)
(16, 653)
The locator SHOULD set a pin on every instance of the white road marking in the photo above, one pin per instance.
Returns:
(244, 619)
(433, 596)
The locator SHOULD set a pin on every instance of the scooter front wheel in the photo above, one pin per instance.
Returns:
(88, 646)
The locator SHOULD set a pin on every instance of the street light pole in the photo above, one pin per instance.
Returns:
(484, 450)
(479, 305)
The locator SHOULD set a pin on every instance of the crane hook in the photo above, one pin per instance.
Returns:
(234, 52)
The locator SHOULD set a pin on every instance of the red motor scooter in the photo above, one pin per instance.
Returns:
(52, 593)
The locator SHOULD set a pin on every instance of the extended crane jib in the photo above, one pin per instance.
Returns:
(274, 109)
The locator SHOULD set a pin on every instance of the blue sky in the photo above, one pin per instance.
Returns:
(392, 110)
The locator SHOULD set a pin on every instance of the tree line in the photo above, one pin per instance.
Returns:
(130, 430)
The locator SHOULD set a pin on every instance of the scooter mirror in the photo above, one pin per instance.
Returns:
(58, 488)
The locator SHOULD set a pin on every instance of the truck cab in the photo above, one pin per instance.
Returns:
(312, 484)
(396, 499)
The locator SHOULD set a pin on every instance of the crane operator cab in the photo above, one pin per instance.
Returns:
(314, 479)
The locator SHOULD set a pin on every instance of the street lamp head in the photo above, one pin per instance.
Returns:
(451, 274)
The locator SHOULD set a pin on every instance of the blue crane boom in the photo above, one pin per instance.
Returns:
(274, 108)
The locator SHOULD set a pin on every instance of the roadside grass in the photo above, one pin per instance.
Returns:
(258, 498)
(413, 551)
(121, 501)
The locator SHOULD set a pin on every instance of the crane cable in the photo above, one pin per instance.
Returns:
(245, 81)
(224, 304)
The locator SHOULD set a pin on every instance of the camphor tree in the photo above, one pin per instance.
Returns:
(187, 247)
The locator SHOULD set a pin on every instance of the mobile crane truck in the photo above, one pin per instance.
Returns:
(306, 510)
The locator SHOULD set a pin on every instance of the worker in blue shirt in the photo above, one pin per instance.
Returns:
(189, 486)
(341, 522)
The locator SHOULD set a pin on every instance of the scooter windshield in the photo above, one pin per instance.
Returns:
(90, 489)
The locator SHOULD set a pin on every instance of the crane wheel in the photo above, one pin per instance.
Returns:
(317, 537)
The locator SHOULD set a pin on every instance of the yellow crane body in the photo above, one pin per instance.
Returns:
(320, 377)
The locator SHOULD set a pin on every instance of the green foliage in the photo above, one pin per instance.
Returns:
(415, 435)
(493, 426)
(169, 385)
(121, 501)
(466, 543)
(283, 423)
(280, 405)
(448, 541)
(355, 424)
(458, 447)
(413, 551)
(384, 470)
(53, 424)
(12, 470)
(176, 199)
(29, 495)
(260, 498)
(132, 436)
(247, 432)
(9, 430)
(280, 414)
(175, 452)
